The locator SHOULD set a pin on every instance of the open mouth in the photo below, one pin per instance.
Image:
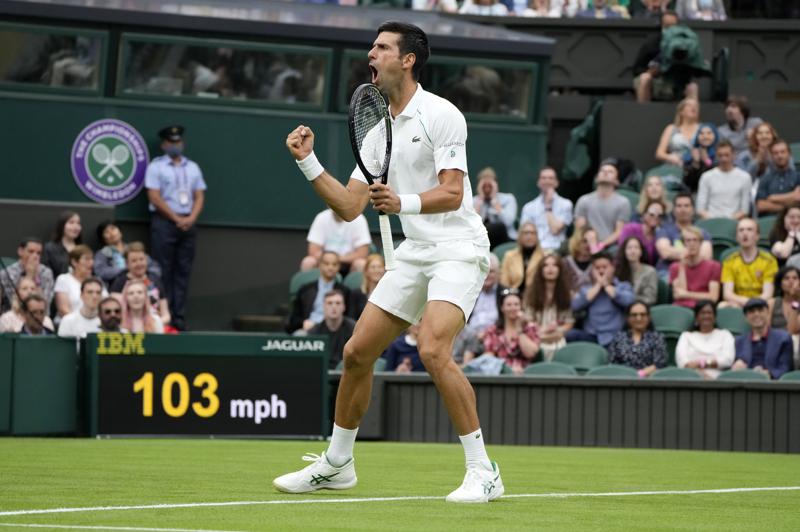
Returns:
(374, 72)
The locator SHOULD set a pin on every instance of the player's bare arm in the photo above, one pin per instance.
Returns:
(348, 202)
(445, 197)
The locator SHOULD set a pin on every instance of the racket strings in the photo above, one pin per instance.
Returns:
(370, 130)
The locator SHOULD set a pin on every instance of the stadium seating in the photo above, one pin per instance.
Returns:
(551, 368)
(582, 356)
(353, 280)
(765, 224)
(502, 249)
(301, 278)
(631, 195)
(721, 230)
(791, 376)
(732, 319)
(671, 339)
(664, 296)
(613, 371)
(676, 373)
(671, 318)
(742, 375)
(380, 365)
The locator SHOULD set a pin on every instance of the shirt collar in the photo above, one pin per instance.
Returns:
(413, 104)
(766, 335)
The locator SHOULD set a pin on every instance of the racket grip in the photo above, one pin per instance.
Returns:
(388, 243)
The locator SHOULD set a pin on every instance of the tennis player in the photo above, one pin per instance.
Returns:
(440, 266)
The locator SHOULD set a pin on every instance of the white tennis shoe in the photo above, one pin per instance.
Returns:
(480, 485)
(319, 475)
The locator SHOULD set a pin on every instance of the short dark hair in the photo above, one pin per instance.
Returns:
(101, 227)
(725, 143)
(91, 280)
(33, 297)
(700, 305)
(778, 141)
(28, 239)
(683, 195)
(741, 103)
(333, 292)
(107, 300)
(602, 255)
(412, 41)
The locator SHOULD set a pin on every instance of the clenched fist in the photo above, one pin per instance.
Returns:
(300, 142)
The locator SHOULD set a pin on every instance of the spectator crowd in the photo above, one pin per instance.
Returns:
(717, 226)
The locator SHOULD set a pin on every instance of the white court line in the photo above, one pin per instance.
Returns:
(387, 499)
(97, 527)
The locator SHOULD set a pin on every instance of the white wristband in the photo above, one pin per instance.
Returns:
(410, 203)
(310, 167)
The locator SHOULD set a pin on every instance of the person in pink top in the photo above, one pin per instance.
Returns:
(645, 231)
(694, 278)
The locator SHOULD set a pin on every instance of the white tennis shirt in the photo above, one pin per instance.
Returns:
(429, 136)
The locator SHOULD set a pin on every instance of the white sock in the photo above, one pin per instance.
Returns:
(474, 449)
(340, 450)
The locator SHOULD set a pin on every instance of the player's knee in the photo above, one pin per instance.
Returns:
(354, 358)
(308, 263)
(435, 355)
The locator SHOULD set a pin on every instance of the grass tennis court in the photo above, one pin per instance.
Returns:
(45, 474)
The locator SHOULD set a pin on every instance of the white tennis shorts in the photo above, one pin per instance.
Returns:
(446, 271)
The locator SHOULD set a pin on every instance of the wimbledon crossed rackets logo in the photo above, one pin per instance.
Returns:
(109, 160)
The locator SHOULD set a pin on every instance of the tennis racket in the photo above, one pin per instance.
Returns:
(371, 139)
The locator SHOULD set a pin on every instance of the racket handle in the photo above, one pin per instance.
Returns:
(386, 239)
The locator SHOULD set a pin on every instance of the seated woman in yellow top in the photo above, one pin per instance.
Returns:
(519, 264)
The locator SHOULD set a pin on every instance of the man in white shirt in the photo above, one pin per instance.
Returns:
(497, 209)
(349, 240)
(440, 266)
(549, 212)
(78, 323)
(724, 191)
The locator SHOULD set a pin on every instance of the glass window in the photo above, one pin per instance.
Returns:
(479, 87)
(271, 74)
(49, 59)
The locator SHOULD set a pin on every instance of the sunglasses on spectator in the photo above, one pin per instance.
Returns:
(510, 292)
(656, 214)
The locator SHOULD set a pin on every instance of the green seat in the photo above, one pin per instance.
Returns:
(664, 292)
(720, 248)
(582, 355)
(794, 147)
(671, 318)
(671, 175)
(301, 278)
(720, 229)
(380, 365)
(765, 225)
(671, 339)
(551, 368)
(742, 375)
(676, 373)
(632, 197)
(353, 280)
(732, 319)
(502, 249)
(791, 376)
(612, 371)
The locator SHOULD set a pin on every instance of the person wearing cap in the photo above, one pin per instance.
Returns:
(763, 349)
(604, 210)
(176, 191)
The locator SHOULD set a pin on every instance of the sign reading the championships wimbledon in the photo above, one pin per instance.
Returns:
(109, 159)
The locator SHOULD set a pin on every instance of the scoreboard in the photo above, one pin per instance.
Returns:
(207, 385)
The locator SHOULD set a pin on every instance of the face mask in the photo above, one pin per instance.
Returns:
(173, 150)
